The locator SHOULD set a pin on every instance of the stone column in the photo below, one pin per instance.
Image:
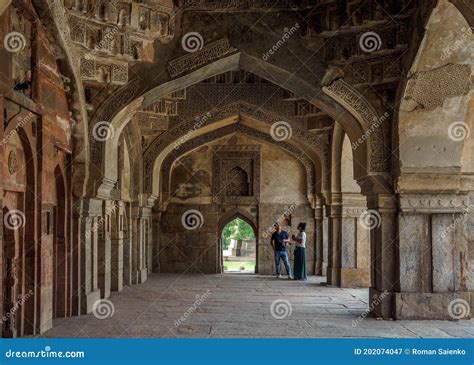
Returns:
(147, 239)
(156, 220)
(384, 254)
(325, 232)
(85, 231)
(355, 260)
(105, 249)
(318, 226)
(116, 238)
(127, 246)
(139, 272)
(335, 241)
(433, 256)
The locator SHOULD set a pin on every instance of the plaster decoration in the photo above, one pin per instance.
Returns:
(430, 89)
(191, 61)
(236, 174)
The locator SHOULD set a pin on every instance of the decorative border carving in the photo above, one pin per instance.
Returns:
(443, 203)
(210, 53)
(358, 106)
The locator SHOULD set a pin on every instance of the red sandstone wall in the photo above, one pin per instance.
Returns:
(52, 133)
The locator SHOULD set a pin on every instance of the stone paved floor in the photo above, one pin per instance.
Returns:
(240, 306)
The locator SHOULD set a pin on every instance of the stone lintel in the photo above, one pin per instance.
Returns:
(430, 203)
(422, 181)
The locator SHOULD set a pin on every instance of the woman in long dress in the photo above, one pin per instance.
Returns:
(299, 270)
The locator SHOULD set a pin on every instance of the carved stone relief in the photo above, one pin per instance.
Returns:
(353, 101)
(236, 174)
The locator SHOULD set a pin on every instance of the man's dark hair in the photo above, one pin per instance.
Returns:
(302, 225)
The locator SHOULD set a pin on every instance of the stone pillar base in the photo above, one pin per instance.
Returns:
(381, 304)
(140, 276)
(89, 300)
(355, 278)
(428, 306)
(334, 276)
(324, 270)
(117, 280)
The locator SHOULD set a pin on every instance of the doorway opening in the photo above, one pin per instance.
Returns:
(239, 247)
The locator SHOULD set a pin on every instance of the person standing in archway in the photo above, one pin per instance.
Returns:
(278, 241)
(299, 268)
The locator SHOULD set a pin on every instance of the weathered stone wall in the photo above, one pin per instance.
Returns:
(45, 130)
(282, 190)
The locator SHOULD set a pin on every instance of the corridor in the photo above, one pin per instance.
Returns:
(238, 305)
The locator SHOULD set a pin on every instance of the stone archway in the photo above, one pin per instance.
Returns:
(132, 97)
(226, 218)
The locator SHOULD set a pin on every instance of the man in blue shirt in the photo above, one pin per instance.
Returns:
(278, 241)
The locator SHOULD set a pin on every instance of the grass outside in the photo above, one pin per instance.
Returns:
(248, 265)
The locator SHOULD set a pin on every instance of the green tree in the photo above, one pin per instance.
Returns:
(236, 229)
